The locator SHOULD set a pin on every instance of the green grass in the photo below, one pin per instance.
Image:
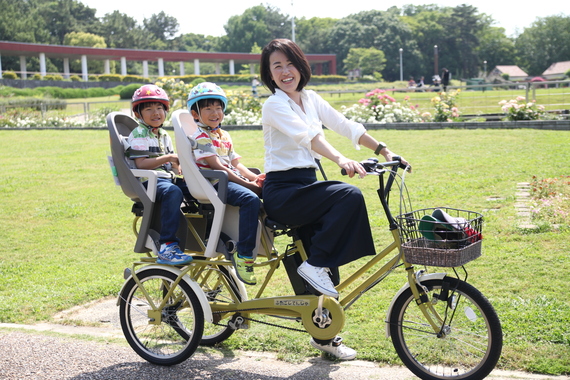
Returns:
(66, 234)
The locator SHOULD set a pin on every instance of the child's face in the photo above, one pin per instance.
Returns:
(153, 114)
(211, 114)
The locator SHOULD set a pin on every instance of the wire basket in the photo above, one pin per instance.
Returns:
(442, 237)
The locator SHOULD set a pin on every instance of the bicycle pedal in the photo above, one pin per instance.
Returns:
(238, 323)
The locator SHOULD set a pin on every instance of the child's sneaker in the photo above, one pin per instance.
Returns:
(244, 269)
(171, 254)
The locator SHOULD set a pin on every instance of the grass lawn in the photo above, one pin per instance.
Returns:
(67, 237)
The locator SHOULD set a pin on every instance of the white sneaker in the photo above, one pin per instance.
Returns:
(318, 278)
(336, 348)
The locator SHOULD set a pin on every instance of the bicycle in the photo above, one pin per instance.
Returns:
(440, 326)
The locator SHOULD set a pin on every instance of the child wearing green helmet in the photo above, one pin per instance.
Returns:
(215, 150)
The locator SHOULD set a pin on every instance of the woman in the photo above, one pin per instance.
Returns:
(333, 213)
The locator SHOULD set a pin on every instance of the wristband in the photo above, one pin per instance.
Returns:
(381, 146)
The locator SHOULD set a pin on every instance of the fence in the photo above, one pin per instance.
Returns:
(474, 101)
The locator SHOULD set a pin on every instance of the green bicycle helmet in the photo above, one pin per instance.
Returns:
(206, 90)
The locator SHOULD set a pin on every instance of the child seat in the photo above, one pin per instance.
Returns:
(120, 126)
(226, 217)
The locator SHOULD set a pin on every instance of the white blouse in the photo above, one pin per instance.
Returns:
(288, 131)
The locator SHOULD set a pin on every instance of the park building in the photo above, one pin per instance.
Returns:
(319, 62)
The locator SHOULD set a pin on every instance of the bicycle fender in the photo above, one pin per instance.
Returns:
(430, 276)
(193, 285)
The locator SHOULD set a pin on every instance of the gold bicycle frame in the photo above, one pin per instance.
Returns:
(296, 306)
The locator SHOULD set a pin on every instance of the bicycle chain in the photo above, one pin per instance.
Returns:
(257, 320)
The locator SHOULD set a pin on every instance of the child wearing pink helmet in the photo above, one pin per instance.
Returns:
(150, 147)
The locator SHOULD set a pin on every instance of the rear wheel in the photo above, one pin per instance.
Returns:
(167, 334)
(219, 285)
(469, 343)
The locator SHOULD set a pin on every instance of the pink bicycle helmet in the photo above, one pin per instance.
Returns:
(150, 93)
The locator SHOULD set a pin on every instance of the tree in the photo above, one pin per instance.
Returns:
(258, 24)
(120, 30)
(159, 29)
(427, 28)
(462, 41)
(87, 40)
(495, 48)
(368, 61)
(64, 16)
(543, 44)
(312, 34)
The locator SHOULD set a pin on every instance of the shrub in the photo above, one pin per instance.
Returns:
(36, 104)
(243, 109)
(445, 107)
(519, 109)
(110, 78)
(75, 78)
(36, 76)
(53, 77)
(9, 75)
(550, 198)
(379, 107)
(128, 91)
(133, 79)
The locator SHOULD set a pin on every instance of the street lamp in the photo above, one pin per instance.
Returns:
(401, 66)
(485, 70)
(292, 23)
(435, 63)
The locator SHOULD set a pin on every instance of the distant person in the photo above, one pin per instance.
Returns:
(435, 83)
(411, 83)
(421, 82)
(420, 85)
(254, 84)
(445, 78)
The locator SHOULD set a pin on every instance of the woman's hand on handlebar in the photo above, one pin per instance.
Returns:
(391, 156)
(351, 167)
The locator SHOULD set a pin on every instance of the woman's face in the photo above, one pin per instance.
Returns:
(283, 72)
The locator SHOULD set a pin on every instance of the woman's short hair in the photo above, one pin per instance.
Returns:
(294, 53)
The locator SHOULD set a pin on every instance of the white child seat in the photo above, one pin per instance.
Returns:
(226, 217)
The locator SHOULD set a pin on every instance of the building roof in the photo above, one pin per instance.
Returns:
(558, 68)
(512, 70)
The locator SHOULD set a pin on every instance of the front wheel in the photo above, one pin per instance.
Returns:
(162, 321)
(469, 341)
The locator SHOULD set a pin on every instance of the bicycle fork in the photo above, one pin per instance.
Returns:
(421, 298)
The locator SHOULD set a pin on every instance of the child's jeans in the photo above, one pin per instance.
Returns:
(170, 195)
(249, 205)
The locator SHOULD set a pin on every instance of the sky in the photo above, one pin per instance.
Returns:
(209, 17)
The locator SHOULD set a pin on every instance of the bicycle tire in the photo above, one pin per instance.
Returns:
(472, 344)
(219, 285)
(179, 332)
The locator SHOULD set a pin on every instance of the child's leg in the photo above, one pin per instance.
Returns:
(249, 205)
(170, 197)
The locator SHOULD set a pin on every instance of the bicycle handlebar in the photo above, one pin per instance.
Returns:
(372, 166)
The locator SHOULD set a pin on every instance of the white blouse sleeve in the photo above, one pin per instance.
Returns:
(335, 121)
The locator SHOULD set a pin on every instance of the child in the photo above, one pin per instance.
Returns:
(151, 148)
(207, 103)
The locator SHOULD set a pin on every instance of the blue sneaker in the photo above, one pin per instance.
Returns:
(171, 254)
